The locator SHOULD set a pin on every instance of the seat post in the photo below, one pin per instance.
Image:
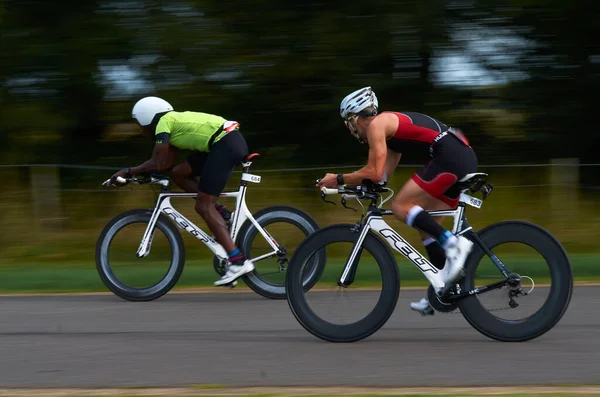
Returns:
(248, 159)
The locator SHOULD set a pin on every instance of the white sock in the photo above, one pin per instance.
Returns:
(449, 242)
(412, 214)
(429, 240)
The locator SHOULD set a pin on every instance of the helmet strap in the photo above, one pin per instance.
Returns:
(367, 113)
(354, 132)
(354, 128)
(157, 117)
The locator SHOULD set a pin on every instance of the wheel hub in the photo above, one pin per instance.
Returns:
(514, 280)
(282, 253)
(514, 283)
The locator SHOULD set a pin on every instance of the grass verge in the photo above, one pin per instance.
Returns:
(60, 278)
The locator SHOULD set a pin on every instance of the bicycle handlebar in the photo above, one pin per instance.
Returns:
(346, 191)
(367, 187)
(365, 191)
(327, 190)
(159, 179)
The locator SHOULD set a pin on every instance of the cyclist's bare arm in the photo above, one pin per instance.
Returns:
(163, 159)
(391, 162)
(376, 135)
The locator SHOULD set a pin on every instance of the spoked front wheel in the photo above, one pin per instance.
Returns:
(366, 301)
(541, 274)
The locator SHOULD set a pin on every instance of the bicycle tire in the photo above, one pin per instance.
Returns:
(558, 299)
(103, 266)
(267, 216)
(385, 305)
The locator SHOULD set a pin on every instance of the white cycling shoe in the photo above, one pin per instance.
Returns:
(422, 307)
(453, 270)
(456, 256)
(234, 272)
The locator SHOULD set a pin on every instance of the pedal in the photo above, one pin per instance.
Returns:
(231, 284)
(427, 312)
(448, 286)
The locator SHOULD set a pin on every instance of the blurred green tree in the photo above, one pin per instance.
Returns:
(70, 72)
(554, 46)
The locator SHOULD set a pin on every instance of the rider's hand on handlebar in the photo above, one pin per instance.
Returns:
(113, 179)
(329, 180)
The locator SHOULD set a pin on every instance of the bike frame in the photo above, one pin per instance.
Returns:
(239, 216)
(374, 221)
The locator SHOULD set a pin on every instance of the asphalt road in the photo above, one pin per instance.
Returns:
(242, 339)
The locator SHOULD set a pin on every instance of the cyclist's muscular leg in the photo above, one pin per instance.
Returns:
(224, 156)
(409, 200)
(435, 252)
(185, 177)
(408, 207)
(206, 207)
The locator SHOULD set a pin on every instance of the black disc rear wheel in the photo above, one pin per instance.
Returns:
(550, 254)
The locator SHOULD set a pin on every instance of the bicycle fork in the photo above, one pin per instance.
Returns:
(144, 247)
(347, 277)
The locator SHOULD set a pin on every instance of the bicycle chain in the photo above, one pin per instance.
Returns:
(458, 312)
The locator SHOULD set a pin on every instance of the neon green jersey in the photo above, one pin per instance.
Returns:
(189, 130)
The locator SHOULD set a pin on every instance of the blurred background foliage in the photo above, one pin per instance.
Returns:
(518, 76)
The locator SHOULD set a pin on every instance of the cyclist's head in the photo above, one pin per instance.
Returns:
(146, 109)
(357, 109)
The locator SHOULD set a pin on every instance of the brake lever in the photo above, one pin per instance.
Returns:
(323, 194)
(327, 201)
(344, 201)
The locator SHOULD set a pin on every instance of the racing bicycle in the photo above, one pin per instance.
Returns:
(244, 227)
(370, 235)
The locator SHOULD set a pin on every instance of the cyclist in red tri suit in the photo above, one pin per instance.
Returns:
(432, 187)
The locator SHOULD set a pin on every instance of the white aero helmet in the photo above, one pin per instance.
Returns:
(146, 108)
(357, 101)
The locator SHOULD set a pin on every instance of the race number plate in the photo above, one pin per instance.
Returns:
(251, 178)
(472, 201)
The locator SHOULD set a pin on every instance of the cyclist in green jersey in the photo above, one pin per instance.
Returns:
(217, 148)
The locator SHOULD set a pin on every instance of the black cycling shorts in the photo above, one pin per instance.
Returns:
(451, 161)
(216, 166)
